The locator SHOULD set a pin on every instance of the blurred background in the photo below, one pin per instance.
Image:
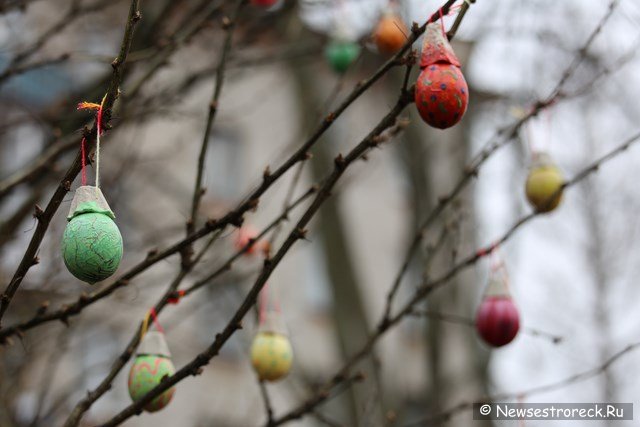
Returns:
(572, 272)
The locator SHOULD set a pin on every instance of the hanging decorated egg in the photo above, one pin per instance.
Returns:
(544, 183)
(497, 319)
(271, 353)
(341, 53)
(264, 3)
(91, 243)
(390, 34)
(441, 94)
(151, 365)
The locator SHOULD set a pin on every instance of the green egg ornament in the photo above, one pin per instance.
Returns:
(271, 352)
(151, 365)
(341, 53)
(91, 244)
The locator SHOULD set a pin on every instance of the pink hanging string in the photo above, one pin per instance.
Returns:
(263, 302)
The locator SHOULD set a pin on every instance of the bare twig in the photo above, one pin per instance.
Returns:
(198, 191)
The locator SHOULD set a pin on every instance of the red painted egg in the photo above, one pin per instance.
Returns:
(497, 320)
(264, 3)
(441, 95)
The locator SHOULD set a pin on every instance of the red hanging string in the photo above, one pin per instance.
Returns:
(83, 155)
(154, 317)
(444, 32)
(98, 133)
(99, 120)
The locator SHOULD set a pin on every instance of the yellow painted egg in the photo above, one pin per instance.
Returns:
(544, 184)
(271, 355)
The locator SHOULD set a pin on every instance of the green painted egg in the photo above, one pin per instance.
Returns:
(92, 246)
(340, 54)
(146, 372)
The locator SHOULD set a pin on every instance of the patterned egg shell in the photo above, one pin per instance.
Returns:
(92, 247)
(271, 355)
(441, 95)
(544, 187)
(497, 320)
(341, 54)
(146, 372)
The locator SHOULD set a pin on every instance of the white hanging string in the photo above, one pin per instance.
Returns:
(98, 132)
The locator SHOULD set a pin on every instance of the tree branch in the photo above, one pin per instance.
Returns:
(386, 323)
(29, 259)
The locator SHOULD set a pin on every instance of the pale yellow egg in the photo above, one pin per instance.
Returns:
(544, 187)
(271, 355)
